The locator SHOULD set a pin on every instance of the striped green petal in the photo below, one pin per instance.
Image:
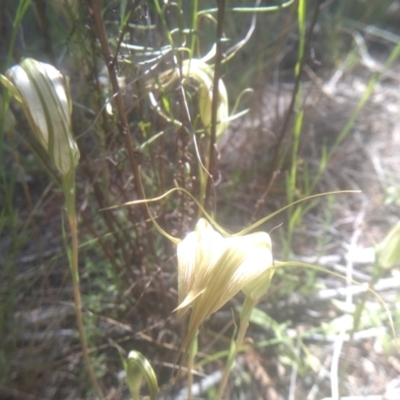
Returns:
(44, 96)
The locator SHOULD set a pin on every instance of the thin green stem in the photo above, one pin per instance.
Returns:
(23, 6)
(191, 356)
(192, 39)
(69, 193)
(294, 215)
(245, 314)
(277, 160)
(215, 100)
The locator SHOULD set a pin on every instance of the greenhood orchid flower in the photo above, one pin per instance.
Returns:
(203, 74)
(44, 96)
(212, 269)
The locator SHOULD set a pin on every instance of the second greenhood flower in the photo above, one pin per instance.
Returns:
(44, 96)
(203, 74)
(212, 269)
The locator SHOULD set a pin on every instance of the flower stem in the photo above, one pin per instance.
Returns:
(247, 308)
(191, 356)
(215, 99)
(68, 184)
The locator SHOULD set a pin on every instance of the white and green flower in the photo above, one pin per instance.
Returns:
(212, 269)
(44, 96)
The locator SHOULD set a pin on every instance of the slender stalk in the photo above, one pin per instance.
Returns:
(192, 36)
(191, 356)
(190, 378)
(247, 308)
(217, 74)
(299, 69)
(69, 193)
(23, 6)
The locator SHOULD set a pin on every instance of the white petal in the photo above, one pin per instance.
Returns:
(197, 255)
(46, 101)
(31, 102)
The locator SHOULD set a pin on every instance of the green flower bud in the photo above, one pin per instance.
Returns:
(44, 96)
(138, 367)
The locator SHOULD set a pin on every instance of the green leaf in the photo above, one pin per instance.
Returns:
(261, 318)
(388, 251)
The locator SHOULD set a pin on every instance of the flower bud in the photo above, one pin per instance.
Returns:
(44, 96)
(137, 368)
